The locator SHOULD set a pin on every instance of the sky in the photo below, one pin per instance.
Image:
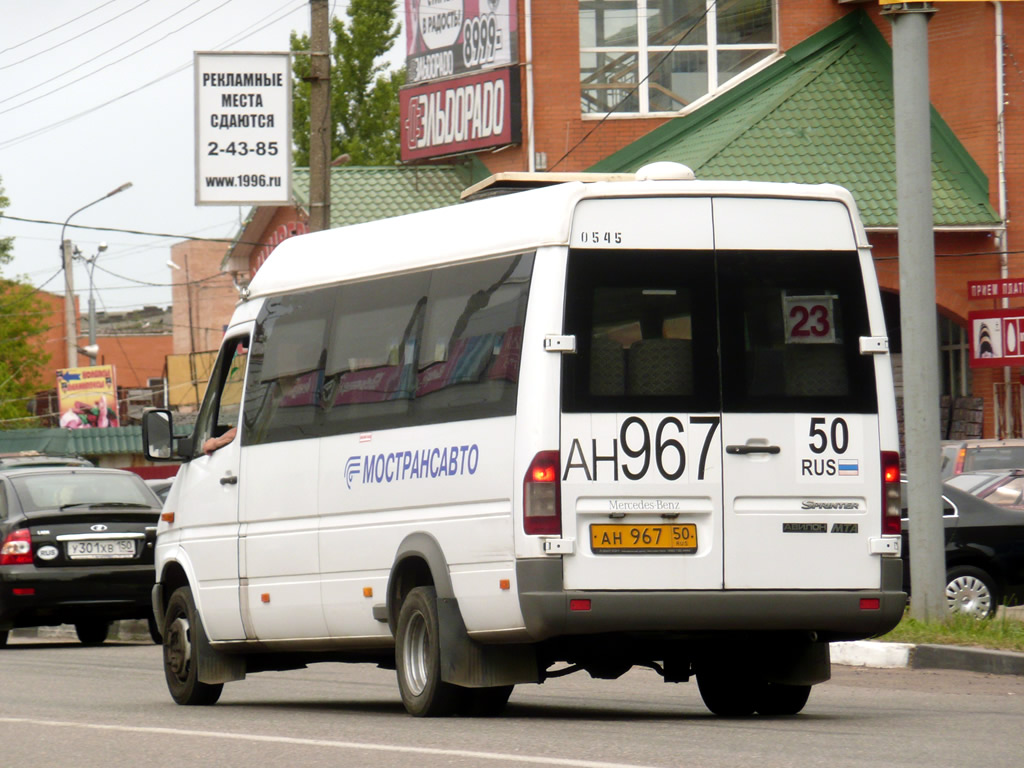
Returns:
(98, 93)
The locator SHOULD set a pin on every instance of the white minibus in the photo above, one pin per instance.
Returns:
(590, 425)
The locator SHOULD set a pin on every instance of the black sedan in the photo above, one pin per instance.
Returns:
(77, 548)
(983, 515)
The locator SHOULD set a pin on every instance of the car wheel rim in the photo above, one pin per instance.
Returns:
(970, 596)
(415, 654)
(179, 649)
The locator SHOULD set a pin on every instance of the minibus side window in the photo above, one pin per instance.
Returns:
(373, 351)
(221, 405)
(428, 347)
(472, 338)
(286, 379)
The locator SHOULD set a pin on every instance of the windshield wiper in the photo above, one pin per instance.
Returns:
(92, 504)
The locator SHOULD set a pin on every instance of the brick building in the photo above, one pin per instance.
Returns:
(779, 90)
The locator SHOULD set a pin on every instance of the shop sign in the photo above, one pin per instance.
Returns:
(997, 337)
(446, 38)
(462, 115)
(995, 289)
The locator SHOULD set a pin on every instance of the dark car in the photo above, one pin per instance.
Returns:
(76, 547)
(983, 516)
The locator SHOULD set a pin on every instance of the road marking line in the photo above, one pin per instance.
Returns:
(496, 756)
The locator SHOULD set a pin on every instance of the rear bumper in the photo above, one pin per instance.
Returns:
(69, 595)
(832, 614)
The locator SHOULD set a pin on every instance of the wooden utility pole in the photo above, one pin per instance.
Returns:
(319, 118)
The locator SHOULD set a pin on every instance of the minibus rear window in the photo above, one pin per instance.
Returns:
(645, 332)
(791, 325)
(690, 332)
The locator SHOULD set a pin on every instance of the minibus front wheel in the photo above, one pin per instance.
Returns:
(418, 657)
(180, 650)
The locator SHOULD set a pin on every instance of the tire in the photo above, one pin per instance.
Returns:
(181, 623)
(727, 693)
(3, 637)
(972, 592)
(779, 699)
(92, 632)
(154, 630)
(418, 657)
(483, 702)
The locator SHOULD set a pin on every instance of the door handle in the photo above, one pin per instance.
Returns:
(229, 479)
(742, 450)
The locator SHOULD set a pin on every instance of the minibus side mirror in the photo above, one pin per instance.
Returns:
(158, 442)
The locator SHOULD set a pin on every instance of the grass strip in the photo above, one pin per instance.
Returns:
(1001, 633)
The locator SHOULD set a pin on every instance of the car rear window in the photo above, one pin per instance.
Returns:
(50, 490)
(995, 457)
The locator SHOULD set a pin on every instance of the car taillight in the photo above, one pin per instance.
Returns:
(542, 509)
(17, 548)
(891, 506)
(960, 456)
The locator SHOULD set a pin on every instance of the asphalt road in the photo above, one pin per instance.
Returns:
(66, 705)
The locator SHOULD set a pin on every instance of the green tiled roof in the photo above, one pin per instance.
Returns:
(822, 113)
(78, 442)
(361, 194)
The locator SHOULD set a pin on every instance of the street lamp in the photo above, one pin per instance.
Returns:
(70, 337)
(90, 263)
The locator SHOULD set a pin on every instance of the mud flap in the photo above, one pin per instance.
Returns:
(798, 663)
(470, 664)
(214, 666)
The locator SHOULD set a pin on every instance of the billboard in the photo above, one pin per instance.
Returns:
(446, 38)
(997, 337)
(243, 128)
(87, 397)
(461, 115)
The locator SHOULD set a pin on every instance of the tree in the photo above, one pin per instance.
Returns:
(22, 325)
(364, 94)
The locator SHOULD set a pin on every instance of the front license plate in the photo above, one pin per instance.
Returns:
(679, 538)
(106, 549)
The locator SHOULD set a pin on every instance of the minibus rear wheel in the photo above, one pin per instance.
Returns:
(780, 699)
(182, 626)
(418, 657)
(728, 692)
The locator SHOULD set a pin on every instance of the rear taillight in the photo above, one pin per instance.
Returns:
(891, 506)
(17, 548)
(960, 456)
(542, 509)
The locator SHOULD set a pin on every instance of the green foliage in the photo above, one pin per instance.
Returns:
(22, 325)
(1005, 632)
(6, 243)
(364, 94)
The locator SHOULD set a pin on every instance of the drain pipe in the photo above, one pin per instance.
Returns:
(1001, 238)
(531, 146)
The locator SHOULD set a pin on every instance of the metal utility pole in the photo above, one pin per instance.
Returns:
(319, 117)
(917, 307)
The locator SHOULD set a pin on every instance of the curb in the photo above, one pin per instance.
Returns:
(125, 631)
(867, 653)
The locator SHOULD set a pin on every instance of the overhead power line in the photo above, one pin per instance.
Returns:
(247, 32)
(54, 29)
(129, 231)
(70, 39)
(105, 66)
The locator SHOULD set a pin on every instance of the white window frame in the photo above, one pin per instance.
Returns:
(711, 48)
